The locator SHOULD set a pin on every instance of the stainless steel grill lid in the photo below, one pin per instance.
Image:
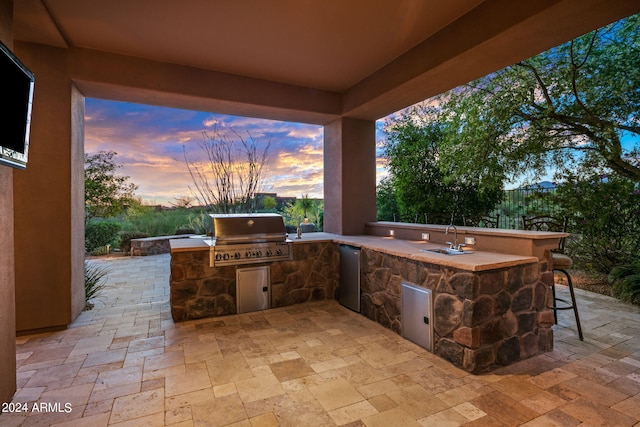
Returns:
(248, 228)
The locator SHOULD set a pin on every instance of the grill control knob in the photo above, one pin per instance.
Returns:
(225, 256)
(247, 254)
(259, 253)
(269, 252)
(218, 257)
(278, 251)
(236, 255)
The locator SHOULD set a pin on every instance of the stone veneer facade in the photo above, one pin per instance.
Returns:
(197, 290)
(482, 319)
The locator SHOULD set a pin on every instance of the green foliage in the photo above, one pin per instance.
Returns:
(144, 221)
(268, 203)
(424, 179)
(156, 221)
(98, 234)
(386, 203)
(305, 204)
(606, 217)
(294, 214)
(94, 281)
(200, 221)
(106, 194)
(569, 106)
(626, 282)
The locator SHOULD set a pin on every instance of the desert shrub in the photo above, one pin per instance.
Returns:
(125, 239)
(158, 221)
(98, 234)
(606, 219)
(626, 282)
(200, 222)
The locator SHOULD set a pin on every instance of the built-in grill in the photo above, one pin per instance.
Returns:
(248, 239)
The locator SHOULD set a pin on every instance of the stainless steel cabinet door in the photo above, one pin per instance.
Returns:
(252, 289)
(417, 315)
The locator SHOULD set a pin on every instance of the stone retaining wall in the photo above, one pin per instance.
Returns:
(482, 319)
(197, 290)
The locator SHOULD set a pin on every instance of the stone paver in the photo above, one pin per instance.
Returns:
(127, 363)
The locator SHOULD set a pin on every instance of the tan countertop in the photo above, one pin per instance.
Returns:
(411, 249)
(191, 244)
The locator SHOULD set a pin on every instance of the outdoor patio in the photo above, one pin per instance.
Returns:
(126, 363)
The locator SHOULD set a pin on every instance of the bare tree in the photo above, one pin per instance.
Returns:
(182, 202)
(230, 172)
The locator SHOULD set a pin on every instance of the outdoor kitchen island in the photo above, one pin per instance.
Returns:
(489, 308)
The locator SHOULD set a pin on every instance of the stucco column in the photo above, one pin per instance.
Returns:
(7, 276)
(349, 175)
(48, 199)
(7, 288)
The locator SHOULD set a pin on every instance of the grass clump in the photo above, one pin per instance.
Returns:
(95, 277)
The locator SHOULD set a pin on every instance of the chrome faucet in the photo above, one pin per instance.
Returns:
(455, 246)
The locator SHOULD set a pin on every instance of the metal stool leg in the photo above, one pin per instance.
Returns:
(572, 305)
(553, 294)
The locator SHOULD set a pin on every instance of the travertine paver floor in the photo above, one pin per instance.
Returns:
(126, 363)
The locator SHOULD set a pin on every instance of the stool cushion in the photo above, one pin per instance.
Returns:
(561, 261)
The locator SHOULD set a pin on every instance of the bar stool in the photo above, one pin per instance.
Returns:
(561, 263)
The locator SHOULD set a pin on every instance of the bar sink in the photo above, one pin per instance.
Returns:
(447, 251)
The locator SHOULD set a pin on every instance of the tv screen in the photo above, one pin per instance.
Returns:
(16, 95)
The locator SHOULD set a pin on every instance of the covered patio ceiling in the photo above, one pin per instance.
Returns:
(359, 58)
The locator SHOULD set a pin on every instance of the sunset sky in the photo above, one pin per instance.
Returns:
(150, 142)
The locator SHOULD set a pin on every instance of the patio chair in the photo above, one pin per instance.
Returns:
(561, 262)
(486, 221)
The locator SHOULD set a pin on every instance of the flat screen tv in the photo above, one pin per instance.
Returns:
(16, 96)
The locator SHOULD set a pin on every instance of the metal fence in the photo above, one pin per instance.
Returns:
(507, 213)
(522, 202)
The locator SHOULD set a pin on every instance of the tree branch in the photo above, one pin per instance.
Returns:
(543, 87)
(574, 73)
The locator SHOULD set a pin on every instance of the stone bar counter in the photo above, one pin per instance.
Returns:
(489, 307)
